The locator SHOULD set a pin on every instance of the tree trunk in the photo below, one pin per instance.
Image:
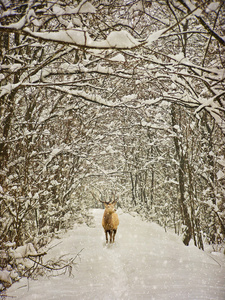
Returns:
(181, 179)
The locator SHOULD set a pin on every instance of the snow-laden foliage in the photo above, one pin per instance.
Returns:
(100, 97)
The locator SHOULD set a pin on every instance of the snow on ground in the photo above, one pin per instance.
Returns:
(144, 263)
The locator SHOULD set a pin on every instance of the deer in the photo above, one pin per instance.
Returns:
(110, 220)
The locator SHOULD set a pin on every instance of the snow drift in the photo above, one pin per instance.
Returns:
(144, 263)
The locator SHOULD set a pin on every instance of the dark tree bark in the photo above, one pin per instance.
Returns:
(181, 179)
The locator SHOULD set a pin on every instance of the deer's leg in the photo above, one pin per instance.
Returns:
(106, 236)
(114, 234)
(111, 235)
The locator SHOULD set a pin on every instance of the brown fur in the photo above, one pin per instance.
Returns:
(110, 221)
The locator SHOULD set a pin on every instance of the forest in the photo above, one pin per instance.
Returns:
(108, 98)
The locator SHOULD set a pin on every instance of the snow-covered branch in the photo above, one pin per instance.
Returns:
(190, 6)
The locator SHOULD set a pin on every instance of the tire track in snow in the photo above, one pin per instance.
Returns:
(118, 277)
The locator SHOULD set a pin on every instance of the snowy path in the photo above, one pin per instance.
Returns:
(144, 263)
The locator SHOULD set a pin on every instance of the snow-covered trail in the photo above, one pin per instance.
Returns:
(144, 263)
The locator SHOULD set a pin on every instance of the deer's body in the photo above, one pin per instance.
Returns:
(110, 221)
